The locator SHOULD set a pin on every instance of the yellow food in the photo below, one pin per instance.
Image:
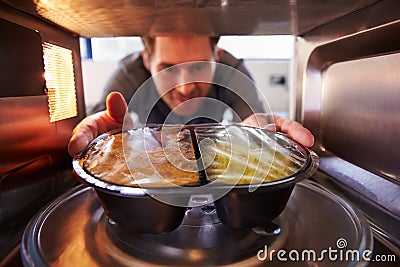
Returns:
(244, 165)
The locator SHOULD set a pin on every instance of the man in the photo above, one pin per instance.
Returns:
(185, 99)
(153, 100)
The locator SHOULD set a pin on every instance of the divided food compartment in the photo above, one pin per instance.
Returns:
(145, 177)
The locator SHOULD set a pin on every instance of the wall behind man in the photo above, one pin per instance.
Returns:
(272, 76)
(95, 75)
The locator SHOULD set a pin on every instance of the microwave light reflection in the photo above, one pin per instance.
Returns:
(60, 82)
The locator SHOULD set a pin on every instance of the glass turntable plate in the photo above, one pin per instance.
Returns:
(315, 229)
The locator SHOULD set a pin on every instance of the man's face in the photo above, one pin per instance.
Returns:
(180, 85)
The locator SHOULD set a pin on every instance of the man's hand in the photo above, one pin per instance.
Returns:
(292, 128)
(98, 123)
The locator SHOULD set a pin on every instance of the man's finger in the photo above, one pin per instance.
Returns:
(295, 130)
(116, 107)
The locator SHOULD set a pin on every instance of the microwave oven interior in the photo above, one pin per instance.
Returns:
(346, 91)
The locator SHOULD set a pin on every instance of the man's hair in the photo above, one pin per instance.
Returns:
(148, 43)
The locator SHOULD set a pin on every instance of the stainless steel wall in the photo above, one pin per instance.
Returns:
(349, 87)
(34, 163)
(348, 90)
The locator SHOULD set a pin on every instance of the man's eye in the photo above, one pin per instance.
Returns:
(171, 69)
(199, 66)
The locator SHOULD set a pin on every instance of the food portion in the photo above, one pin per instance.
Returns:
(142, 158)
(257, 166)
(240, 157)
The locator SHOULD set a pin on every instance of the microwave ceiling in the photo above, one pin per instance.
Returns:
(105, 18)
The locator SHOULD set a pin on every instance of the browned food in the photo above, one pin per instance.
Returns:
(109, 161)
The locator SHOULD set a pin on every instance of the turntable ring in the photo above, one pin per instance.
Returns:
(74, 231)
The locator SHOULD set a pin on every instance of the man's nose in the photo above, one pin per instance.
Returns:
(186, 88)
(186, 84)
